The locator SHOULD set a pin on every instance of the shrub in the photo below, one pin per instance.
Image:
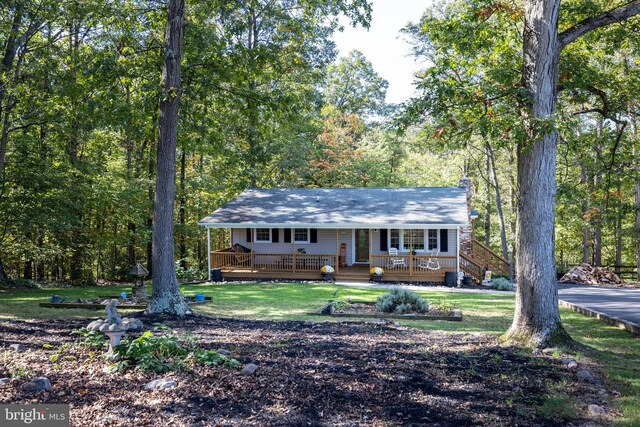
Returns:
(401, 301)
(92, 339)
(501, 284)
(165, 353)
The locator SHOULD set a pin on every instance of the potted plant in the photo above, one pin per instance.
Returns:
(327, 273)
(376, 274)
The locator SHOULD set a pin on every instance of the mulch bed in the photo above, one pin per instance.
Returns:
(309, 374)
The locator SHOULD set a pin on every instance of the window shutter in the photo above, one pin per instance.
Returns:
(384, 241)
(275, 235)
(314, 235)
(249, 235)
(444, 240)
(287, 235)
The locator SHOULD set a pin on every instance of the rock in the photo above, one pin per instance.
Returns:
(104, 327)
(223, 351)
(37, 384)
(249, 369)
(327, 309)
(596, 410)
(397, 324)
(15, 347)
(585, 375)
(309, 323)
(572, 365)
(4, 381)
(567, 360)
(161, 384)
(536, 352)
(549, 350)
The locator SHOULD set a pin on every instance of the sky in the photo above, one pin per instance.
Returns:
(383, 46)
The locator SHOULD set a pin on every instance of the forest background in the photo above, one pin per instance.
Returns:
(266, 103)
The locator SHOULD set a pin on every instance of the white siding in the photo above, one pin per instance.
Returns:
(451, 239)
(327, 243)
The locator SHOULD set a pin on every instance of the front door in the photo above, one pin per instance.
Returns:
(362, 245)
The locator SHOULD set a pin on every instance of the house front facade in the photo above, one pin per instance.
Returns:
(414, 234)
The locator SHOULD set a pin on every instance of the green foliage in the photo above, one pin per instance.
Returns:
(213, 358)
(501, 284)
(401, 301)
(340, 304)
(149, 352)
(165, 353)
(92, 339)
(559, 406)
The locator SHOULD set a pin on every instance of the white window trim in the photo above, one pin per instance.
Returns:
(402, 247)
(293, 231)
(255, 235)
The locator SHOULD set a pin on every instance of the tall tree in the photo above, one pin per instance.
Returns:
(166, 296)
(537, 317)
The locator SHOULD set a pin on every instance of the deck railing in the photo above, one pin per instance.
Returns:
(491, 260)
(414, 264)
(292, 262)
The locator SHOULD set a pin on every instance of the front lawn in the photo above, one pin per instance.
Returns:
(616, 350)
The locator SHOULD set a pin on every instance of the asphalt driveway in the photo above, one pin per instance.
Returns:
(623, 303)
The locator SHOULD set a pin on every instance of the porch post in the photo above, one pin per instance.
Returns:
(410, 252)
(209, 253)
(337, 250)
(370, 247)
(457, 250)
(253, 254)
(293, 256)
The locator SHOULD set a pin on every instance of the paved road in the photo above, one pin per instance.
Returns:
(623, 303)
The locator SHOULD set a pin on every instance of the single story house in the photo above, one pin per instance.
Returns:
(414, 234)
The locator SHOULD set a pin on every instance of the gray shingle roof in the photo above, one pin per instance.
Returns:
(331, 207)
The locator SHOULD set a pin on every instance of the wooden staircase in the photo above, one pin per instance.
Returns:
(482, 258)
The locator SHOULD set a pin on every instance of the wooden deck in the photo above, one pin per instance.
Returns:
(355, 273)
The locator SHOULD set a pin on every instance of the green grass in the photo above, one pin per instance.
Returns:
(616, 350)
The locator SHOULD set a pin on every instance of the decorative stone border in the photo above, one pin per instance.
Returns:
(456, 317)
(102, 306)
(634, 328)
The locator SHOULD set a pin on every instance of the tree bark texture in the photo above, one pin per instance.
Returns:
(537, 317)
(166, 297)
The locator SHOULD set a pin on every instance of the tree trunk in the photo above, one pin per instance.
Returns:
(619, 215)
(487, 201)
(166, 297)
(585, 226)
(4, 279)
(182, 211)
(503, 231)
(537, 316)
(597, 223)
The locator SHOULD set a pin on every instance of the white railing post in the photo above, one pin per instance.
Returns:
(209, 253)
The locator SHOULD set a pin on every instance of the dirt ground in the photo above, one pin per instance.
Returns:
(309, 374)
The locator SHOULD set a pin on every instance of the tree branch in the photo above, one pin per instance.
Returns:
(610, 17)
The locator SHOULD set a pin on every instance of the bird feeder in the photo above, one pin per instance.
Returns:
(139, 273)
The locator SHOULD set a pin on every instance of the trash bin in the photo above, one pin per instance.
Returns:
(216, 275)
(467, 280)
(450, 278)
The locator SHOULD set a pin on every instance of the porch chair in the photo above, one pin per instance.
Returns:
(395, 260)
(430, 263)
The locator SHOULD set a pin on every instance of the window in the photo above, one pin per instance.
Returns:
(413, 239)
(263, 235)
(301, 235)
(394, 239)
(433, 239)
